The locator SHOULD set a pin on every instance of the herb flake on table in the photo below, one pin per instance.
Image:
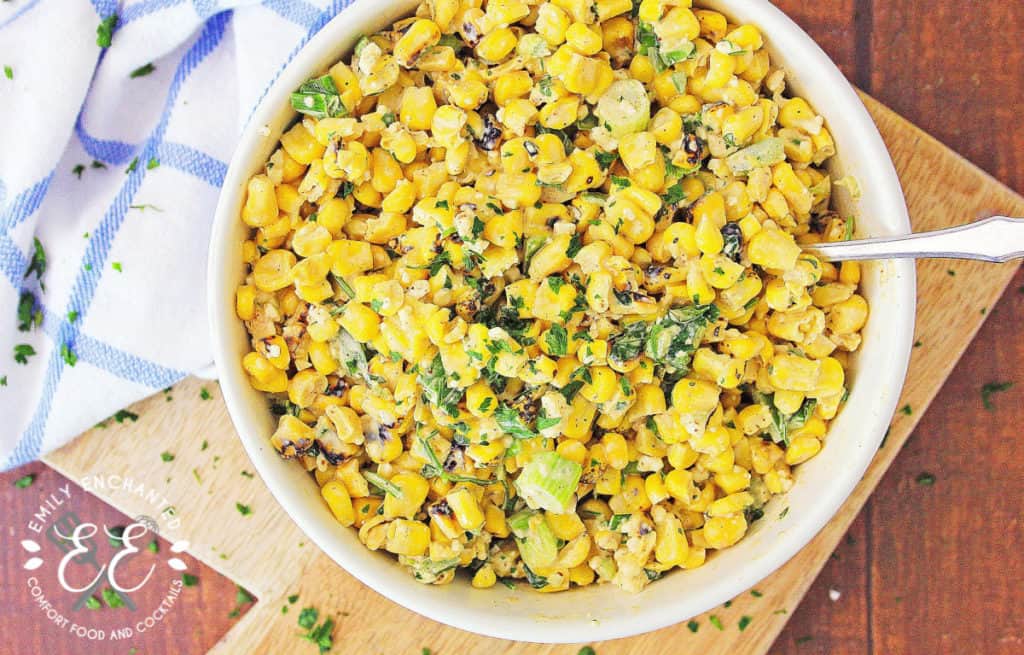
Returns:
(142, 71)
(22, 352)
(69, 356)
(755, 593)
(114, 536)
(744, 622)
(693, 626)
(38, 263)
(204, 394)
(244, 510)
(925, 479)
(906, 410)
(153, 547)
(242, 597)
(111, 598)
(189, 580)
(97, 164)
(78, 170)
(318, 634)
(25, 481)
(92, 604)
(152, 163)
(29, 315)
(587, 650)
(105, 31)
(72, 316)
(166, 456)
(132, 166)
(990, 388)
(3, 381)
(8, 72)
(117, 267)
(715, 621)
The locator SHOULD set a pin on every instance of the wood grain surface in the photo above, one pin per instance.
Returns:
(922, 569)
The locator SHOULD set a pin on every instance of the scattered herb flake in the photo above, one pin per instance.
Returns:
(132, 166)
(117, 267)
(153, 547)
(8, 72)
(990, 388)
(744, 622)
(152, 163)
(25, 481)
(166, 456)
(105, 31)
(715, 621)
(124, 414)
(22, 352)
(92, 603)
(189, 580)
(111, 598)
(693, 626)
(906, 410)
(142, 71)
(69, 356)
(587, 650)
(72, 316)
(925, 479)
(38, 263)
(244, 510)
(755, 593)
(204, 394)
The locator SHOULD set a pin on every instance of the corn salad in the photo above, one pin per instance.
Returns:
(525, 288)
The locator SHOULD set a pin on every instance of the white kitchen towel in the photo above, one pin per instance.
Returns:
(110, 163)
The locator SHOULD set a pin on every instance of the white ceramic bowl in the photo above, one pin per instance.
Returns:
(597, 612)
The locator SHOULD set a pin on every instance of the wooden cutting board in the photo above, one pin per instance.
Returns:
(266, 553)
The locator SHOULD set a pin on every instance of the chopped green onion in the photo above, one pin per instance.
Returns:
(548, 481)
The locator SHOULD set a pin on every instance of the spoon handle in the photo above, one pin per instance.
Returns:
(996, 239)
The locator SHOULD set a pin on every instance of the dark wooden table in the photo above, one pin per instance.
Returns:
(925, 568)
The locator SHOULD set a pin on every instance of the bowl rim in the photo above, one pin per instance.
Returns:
(310, 58)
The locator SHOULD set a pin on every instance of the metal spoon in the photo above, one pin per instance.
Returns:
(997, 239)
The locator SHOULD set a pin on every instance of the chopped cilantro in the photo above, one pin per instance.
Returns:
(123, 414)
(189, 580)
(28, 315)
(117, 267)
(72, 316)
(142, 71)
(25, 481)
(152, 163)
(925, 479)
(111, 598)
(990, 388)
(244, 510)
(153, 547)
(605, 159)
(38, 263)
(92, 604)
(132, 166)
(906, 410)
(166, 456)
(22, 352)
(78, 170)
(744, 622)
(105, 31)
(693, 626)
(586, 650)
(8, 72)
(69, 356)
(204, 394)
(557, 340)
(715, 621)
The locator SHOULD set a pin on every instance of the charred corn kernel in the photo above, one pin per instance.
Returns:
(301, 145)
(260, 202)
(583, 39)
(802, 449)
(496, 45)
(413, 487)
(245, 302)
(796, 113)
(848, 316)
(494, 521)
(724, 531)
(773, 249)
(338, 500)
(484, 578)
(421, 35)
(560, 113)
(410, 538)
(360, 321)
(273, 270)
(467, 510)
(552, 23)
